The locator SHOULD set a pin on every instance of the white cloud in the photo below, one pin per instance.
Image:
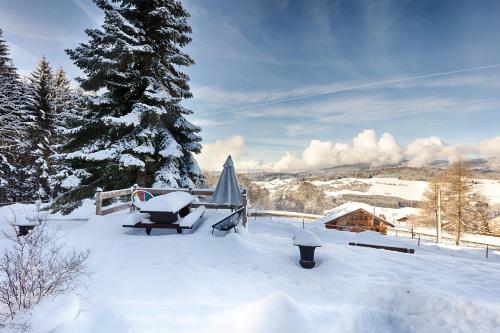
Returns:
(98, 19)
(213, 155)
(491, 148)
(203, 122)
(365, 148)
(422, 152)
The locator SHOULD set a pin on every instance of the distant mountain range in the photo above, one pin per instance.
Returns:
(481, 167)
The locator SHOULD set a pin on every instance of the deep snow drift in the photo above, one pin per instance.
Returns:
(252, 282)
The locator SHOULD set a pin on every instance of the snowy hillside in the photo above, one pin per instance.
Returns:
(406, 189)
(252, 282)
(390, 187)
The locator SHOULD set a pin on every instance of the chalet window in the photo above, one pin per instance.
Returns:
(366, 217)
(376, 222)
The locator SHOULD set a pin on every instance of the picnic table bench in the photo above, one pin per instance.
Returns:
(24, 228)
(229, 222)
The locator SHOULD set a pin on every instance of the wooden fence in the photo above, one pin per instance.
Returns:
(445, 239)
(284, 214)
(125, 194)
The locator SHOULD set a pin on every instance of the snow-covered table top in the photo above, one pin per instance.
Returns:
(303, 237)
(171, 202)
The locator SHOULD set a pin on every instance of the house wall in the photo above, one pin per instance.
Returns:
(357, 221)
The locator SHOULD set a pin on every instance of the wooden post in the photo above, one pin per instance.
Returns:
(134, 188)
(419, 240)
(487, 251)
(98, 201)
(245, 203)
(438, 229)
(412, 234)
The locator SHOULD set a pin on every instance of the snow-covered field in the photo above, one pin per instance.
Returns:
(406, 189)
(252, 282)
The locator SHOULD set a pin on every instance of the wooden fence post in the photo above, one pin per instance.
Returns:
(487, 251)
(134, 188)
(98, 201)
(245, 210)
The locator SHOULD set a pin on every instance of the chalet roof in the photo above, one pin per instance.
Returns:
(348, 208)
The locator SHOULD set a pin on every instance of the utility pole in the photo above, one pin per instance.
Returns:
(438, 229)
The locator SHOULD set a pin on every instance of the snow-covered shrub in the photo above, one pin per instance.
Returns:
(37, 267)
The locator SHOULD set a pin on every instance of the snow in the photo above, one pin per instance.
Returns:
(70, 182)
(491, 189)
(303, 237)
(172, 148)
(131, 118)
(127, 160)
(394, 187)
(344, 209)
(53, 313)
(251, 281)
(193, 217)
(406, 189)
(170, 202)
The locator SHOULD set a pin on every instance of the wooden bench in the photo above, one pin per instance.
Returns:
(189, 222)
(229, 222)
(384, 247)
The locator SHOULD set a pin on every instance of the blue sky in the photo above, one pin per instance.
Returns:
(250, 53)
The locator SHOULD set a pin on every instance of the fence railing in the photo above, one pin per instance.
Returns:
(100, 196)
(445, 239)
(285, 214)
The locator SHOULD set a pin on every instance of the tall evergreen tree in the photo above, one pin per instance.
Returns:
(137, 132)
(68, 115)
(14, 120)
(38, 170)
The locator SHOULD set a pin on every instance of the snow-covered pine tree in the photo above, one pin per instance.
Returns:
(138, 132)
(62, 102)
(14, 120)
(69, 115)
(38, 167)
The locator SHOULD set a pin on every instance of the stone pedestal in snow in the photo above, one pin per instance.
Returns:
(307, 243)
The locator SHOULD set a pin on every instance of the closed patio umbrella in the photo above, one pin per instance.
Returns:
(227, 190)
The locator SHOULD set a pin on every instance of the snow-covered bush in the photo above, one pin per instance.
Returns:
(37, 267)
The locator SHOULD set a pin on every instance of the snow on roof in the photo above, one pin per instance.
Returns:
(171, 202)
(303, 237)
(345, 209)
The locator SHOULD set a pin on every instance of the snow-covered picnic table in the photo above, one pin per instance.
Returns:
(171, 202)
(170, 211)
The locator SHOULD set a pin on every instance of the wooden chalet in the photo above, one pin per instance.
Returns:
(354, 218)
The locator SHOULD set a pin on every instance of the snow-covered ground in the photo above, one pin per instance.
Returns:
(252, 282)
